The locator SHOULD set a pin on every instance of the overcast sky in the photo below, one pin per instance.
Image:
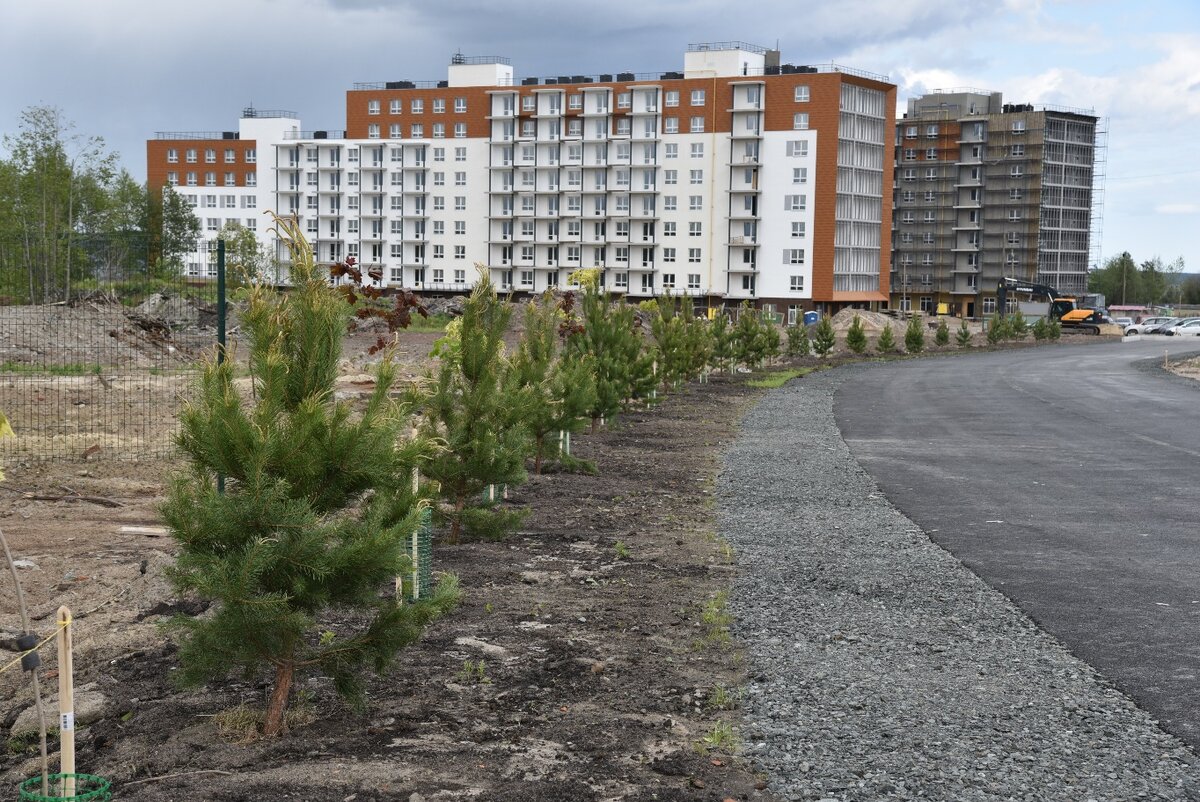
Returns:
(124, 69)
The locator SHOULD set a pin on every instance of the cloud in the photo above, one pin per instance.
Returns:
(1177, 208)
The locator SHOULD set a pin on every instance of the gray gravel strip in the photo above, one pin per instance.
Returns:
(881, 667)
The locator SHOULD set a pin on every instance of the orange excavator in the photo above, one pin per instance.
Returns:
(1058, 307)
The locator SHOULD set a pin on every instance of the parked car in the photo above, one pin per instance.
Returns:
(1123, 322)
(1186, 327)
(1148, 325)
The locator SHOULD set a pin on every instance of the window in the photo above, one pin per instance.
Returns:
(910, 175)
(575, 102)
(210, 201)
(668, 281)
(190, 155)
(930, 196)
(460, 227)
(695, 202)
(373, 131)
(670, 203)
(931, 131)
(621, 280)
(372, 107)
(1014, 214)
(793, 256)
(797, 284)
(417, 131)
(930, 216)
(668, 254)
(439, 105)
(670, 176)
(693, 256)
(671, 151)
(172, 156)
(1015, 194)
(173, 178)
(460, 251)
(1018, 126)
(697, 97)
(417, 106)
(795, 203)
(1017, 150)
(528, 103)
(801, 95)
(460, 203)
(693, 281)
(624, 100)
(799, 175)
(210, 156)
(394, 106)
(800, 121)
(395, 131)
(697, 150)
(1016, 172)
(460, 105)
(908, 196)
(352, 179)
(213, 224)
(910, 154)
(696, 177)
(931, 154)
(460, 130)
(906, 217)
(1012, 238)
(460, 179)
(696, 125)
(672, 98)
(797, 147)
(931, 174)
(210, 179)
(695, 229)
(668, 229)
(439, 130)
(670, 125)
(799, 228)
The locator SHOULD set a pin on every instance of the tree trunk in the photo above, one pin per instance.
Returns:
(595, 424)
(537, 457)
(456, 521)
(276, 721)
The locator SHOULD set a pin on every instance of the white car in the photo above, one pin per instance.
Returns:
(1147, 324)
(1188, 327)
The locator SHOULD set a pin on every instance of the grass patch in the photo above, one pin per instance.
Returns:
(243, 724)
(721, 738)
(716, 619)
(431, 323)
(722, 698)
(778, 378)
(70, 369)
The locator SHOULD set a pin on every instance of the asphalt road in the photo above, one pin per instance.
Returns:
(1067, 477)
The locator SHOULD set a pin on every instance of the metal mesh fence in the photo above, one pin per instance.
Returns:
(97, 348)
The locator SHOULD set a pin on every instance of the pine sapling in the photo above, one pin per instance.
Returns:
(856, 337)
(474, 407)
(797, 340)
(886, 343)
(318, 510)
(942, 337)
(824, 338)
(914, 335)
(963, 335)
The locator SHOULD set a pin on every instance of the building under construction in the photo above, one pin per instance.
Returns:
(986, 189)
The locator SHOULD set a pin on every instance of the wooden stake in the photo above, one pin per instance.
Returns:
(66, 703)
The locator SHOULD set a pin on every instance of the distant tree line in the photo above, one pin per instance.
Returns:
(1125, 282)
(70, 217)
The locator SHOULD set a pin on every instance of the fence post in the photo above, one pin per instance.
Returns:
(220, 326)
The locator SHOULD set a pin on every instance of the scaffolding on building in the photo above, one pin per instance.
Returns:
(1099, 167)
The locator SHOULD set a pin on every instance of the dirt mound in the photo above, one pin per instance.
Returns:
(871, 321)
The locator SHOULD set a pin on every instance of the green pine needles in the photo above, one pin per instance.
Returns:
(823, 338)
(856, 336)
(558, 391)
(886, 344)
(963, 335)
(942, 337)
(318, 511)
(914, 335)
(474, 409)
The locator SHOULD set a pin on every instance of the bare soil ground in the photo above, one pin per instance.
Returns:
(598, 674)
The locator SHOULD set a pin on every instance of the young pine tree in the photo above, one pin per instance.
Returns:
(1054, 329)
(318, 509)
(612, 342)
(963, 335)
(886, 343)
(942, 337)
(1018, 326)
(672, 351)
(797, 340)
(721, 334)
(856, 337)
(474, 407)
(997, 330)
(1040, 329)
(914, 335)
(558, 392)
(824, 338)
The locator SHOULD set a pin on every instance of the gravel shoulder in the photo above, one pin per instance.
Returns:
(881, 668)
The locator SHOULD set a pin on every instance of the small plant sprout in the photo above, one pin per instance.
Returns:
(622, 550)
(721, 738)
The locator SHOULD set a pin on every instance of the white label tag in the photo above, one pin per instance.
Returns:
(67, 722)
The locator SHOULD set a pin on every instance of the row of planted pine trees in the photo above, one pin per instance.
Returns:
(297, 503)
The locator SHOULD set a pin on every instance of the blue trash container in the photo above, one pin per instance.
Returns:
(812, 318)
